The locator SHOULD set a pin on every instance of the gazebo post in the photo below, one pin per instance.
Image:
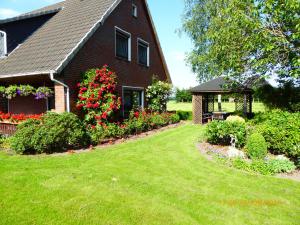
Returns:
(245, 105)
(197, 108)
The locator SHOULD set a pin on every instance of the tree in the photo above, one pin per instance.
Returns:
(243, 38)
(183, 95)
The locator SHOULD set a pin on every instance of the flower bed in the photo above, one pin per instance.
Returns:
(137, 123)
(17, 118)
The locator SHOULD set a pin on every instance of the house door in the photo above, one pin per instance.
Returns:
(133, 99)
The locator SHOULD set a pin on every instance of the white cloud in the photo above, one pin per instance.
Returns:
(7, 13)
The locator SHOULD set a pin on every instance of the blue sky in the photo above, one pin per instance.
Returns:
(167, 19)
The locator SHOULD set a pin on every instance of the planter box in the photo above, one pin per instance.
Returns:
(7, 129)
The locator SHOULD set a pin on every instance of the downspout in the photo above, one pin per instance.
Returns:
(66, 86)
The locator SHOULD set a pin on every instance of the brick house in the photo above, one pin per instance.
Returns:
(54, 45)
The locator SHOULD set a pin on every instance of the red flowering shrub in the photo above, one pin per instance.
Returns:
(17, 118)
(97, 97)
(137, 123)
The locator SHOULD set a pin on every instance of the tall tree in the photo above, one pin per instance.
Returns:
(243, 38)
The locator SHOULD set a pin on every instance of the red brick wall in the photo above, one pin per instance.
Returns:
(100, 50)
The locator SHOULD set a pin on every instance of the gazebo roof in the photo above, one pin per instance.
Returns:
(217, 85)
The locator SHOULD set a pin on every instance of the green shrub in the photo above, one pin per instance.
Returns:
(157, 95)
(185, 115)
(220, 132)
(263, 167)
(174, 118)
(96, 134)
(53, 133)
(281, 131)
(138, 122)
(235, 119)
(21, 141)
(256, 146)
(281, 166)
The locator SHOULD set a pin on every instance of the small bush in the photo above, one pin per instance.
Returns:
(263, 167)
(281, 166)
(256, 146)
(235, 119)
(281, 131)
(53, 133)
(185, 115)
(220, 132)
(158, 94)
(137, 123)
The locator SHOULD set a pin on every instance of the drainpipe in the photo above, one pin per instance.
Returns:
(66, 86)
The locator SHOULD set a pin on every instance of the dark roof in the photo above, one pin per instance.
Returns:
(217, 85)
(52, 46)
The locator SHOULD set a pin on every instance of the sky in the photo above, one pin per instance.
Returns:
(167, 19)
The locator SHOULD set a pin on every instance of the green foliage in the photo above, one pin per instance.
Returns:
(285, 97)
(256, 146)
(220, 132)
(281, 166)
(183, 95)
(233, 37)
(13, 91)
(281, 131)
(53, 133)
(157, 95)
(184, 115)
(137, 123)
(264, 167)
(22, 141)
(235, 119)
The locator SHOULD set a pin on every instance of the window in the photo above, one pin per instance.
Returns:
(134, 10)
(123, 44)
(133, 99)
(143, 53)
(3, 46)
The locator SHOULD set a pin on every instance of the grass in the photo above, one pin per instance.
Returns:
(226, 106)
(162, 179)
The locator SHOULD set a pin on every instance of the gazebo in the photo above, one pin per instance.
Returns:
(205, 94)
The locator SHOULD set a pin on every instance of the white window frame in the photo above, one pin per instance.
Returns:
(134, 10)
(132, 88)
(117, 29)
(140, 40)
(5, 44)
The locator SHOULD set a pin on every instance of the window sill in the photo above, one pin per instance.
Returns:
(143, 65)
(123, 59)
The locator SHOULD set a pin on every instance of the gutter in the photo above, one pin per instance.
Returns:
(63, 84)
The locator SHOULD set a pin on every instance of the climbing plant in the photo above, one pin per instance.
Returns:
(97, 96)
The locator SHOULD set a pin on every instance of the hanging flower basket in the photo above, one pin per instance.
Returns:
(43, 93)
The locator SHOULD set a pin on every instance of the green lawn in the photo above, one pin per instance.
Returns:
(228, 107)
(161, 179)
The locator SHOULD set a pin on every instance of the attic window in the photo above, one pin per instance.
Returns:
(3, 45)
(143, 53)
(123, 44)
(134, 10)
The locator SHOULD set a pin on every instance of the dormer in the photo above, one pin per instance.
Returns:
(14, 31)
(3, 44)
